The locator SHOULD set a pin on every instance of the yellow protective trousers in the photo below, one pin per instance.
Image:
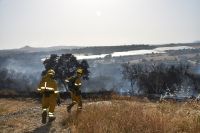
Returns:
(49, 102)
(76, 99)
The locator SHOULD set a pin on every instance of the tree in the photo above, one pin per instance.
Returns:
(131, 73)
(158, 78)
(65, 66)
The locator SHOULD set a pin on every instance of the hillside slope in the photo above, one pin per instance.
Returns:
(125, 116)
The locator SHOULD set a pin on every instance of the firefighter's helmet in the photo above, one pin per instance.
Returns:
(79, 71)
(51, 72)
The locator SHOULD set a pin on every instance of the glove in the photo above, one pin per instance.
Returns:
(58, 101)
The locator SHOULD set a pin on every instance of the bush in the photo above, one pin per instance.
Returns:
(159, 78)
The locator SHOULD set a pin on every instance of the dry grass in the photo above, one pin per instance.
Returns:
(124, 115)
(18, 115)
(13, 105)
(3, 109)
(135, 117)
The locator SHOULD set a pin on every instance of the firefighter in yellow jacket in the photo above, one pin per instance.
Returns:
(48, 88)
(74, 84)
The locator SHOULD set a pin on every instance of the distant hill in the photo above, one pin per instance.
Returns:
(110, 49)
(45, 49)
(93, 50)
(198, 41)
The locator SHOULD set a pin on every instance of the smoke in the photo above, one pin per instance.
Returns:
(21, 67)
(105, 76)
(20, 74)
(23, 73)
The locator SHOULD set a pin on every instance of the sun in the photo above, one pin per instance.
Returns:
(98, 13)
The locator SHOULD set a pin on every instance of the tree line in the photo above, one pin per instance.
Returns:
(152, 78)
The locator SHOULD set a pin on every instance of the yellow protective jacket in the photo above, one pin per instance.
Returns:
(74, 83)
(49, 86)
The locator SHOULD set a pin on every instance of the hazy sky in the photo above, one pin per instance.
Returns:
(97, 22)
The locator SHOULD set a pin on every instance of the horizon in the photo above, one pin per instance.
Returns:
(84, 46)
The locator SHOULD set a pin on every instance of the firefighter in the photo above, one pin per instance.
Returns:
(74, 85)
(50, 95)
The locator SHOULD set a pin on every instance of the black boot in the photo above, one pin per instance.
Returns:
(52, 118)
(69, 107)
(44, 117)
